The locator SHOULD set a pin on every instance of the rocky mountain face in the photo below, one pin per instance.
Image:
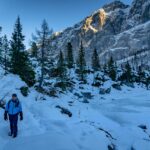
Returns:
(117, 30)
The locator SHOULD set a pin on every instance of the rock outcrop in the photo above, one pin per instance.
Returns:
(116, 30)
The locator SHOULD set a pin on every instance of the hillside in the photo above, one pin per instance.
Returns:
(108, 122)
(116, 30)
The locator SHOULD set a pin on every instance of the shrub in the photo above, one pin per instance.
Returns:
(24, 90)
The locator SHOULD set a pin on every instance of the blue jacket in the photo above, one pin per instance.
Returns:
(13, 107)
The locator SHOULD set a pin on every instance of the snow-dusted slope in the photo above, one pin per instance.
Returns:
(106, 121)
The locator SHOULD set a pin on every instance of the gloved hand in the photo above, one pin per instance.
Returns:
(21, 116)
(5, 116)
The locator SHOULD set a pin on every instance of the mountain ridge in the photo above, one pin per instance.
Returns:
(100, 29)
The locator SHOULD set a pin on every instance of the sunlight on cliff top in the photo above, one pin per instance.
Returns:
(95, 22)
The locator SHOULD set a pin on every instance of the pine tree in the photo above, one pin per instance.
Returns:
(70, 59)
(62, 72)
(0, 46)
(105, 68)
(141, 75)
(81, 63)
(127, 74)
(0, 36)
(34, 50)
(5, 55)
(42, 38)
(112, 69)
(20, 63)
(148, 82)
(17, 46)
(26, 73)
(95, 61)
(61, 68)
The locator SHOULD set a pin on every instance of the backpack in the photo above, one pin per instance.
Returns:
(16, 105)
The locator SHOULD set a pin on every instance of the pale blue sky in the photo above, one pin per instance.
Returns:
(58, 13)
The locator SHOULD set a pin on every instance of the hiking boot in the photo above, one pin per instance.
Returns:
(10, 134)
(14, 136)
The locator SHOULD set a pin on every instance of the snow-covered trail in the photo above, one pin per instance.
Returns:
(36, 124)
(45, 127)
(106, 120)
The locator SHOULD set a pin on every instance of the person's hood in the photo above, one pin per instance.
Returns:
(16, 100)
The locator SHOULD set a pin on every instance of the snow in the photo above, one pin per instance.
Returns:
(110, 119)
(144, 27)
(134, 29)
(118, 48)
(145, 53)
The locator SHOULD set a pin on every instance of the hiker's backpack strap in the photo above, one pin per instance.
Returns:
(17, 104)
(9, 103)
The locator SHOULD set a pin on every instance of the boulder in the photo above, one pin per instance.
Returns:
(2, 104)
(85, 101)
(111, 147)
(108, 90)
(97, 84)
(104, 91)
(144, 127)
(87, 95)
(117, 86)
(64, 111)
(78, 95)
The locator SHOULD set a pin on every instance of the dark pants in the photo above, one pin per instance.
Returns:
(13, 124)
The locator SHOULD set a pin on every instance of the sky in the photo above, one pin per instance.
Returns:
(58, 13)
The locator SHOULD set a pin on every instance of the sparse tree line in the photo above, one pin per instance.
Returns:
(16, 59)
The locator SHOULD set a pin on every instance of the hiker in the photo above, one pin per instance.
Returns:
(13, 109)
